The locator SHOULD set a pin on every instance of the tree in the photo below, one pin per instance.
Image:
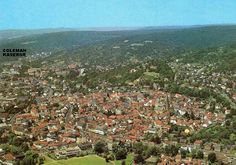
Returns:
(5, 147)
(183, 153)
(11, 137)
(115, 148)
(107, 159)
(200, 154)
(41, 160)
(15, 150)
(193, 153)
(123, 162)
(17, 141)
(171, 150)
(212, 157)
(18, 162)
(100, 147)
(156, 139)
(138, 158)
(28, 160)
(24, 147)
(227, 123)
(111, 157)
(152, 151)
(232, 137)
(121, 154)
(138, 148)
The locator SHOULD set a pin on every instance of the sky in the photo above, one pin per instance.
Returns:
(35, 14)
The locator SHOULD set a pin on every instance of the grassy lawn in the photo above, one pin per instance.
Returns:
(128, 160)
(86, 160)
(48, 159)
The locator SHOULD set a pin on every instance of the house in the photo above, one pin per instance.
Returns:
(3, 117)
(3, 125)
(2, 152)
(217, 147)
(151, 160)
(99, 130)
(72, 66)
(198, 144)
(85, 146)
(72, 152)
(9, 157)
(33, 71)
(208, 146)
(67, 153)
(40, 144)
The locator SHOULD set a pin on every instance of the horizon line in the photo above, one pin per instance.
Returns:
(107, 28)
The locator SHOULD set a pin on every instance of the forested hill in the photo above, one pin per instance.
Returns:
(184, 38)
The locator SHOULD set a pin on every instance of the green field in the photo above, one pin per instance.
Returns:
(87, 160)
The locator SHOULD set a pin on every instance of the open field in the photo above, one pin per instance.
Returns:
(87, 160)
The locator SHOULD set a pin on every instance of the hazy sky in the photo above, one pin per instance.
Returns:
(20, 14)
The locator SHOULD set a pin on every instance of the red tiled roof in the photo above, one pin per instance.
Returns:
(26, 116)
(42, 143)
(112, 117)
(9, 157)
(198, 142)
(159, 122)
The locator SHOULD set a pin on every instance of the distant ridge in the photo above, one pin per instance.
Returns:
(198, 36)
(17, 33)
(117, 28)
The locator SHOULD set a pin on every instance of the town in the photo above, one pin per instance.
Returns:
(40, 111)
